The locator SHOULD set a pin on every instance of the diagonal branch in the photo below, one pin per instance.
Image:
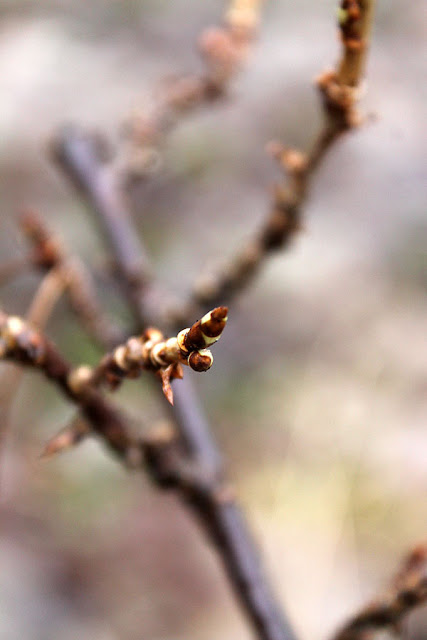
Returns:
(407, 591)
(22, 344)
(224, 50)
(339, 91)
(49, 252)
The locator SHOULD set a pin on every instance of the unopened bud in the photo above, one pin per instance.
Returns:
(201, 360)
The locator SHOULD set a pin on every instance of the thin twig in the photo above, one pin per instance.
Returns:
(49, 252)
(340, 91)
(42, 305)
(224, 50)
(47, 295)
(407, 591)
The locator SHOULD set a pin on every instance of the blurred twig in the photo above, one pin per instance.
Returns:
(48, 252)
(407, 590)
(42, 305)
(224, 50)
(339, 90)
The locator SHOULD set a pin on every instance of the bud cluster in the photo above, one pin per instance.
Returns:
(152, 351)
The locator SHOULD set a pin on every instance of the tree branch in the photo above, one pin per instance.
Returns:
(206, 486)
(339, 90)
(22, 344)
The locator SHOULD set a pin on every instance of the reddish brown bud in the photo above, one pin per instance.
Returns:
(200, 360)
(206, 331)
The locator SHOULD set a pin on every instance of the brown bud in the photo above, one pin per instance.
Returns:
(200, 360)
(207, 330)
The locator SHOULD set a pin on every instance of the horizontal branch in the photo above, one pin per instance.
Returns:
(152, 352)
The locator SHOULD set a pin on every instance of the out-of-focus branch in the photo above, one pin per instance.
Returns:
(355, 19)
(48, 253)
(340, 91)
(22, 344)
(224, 49)
(407, 591)
(42, 305)
(201, 478)
(77, 154)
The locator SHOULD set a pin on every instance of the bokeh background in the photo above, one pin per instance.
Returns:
(318, 393)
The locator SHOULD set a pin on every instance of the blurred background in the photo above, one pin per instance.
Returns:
(318, 393)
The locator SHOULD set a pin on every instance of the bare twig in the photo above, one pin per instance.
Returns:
(67, 438)
(224, 50)
(47, 295)
(339, 90)
(407, 591)
(22, 344)
(48, 252)
(206, 489)
(42, 305)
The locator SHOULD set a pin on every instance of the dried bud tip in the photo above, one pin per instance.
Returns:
(201, 360)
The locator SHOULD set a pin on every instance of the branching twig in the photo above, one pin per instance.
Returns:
(21, 344)
(44, 301)
(407, 591)
(339, 90)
